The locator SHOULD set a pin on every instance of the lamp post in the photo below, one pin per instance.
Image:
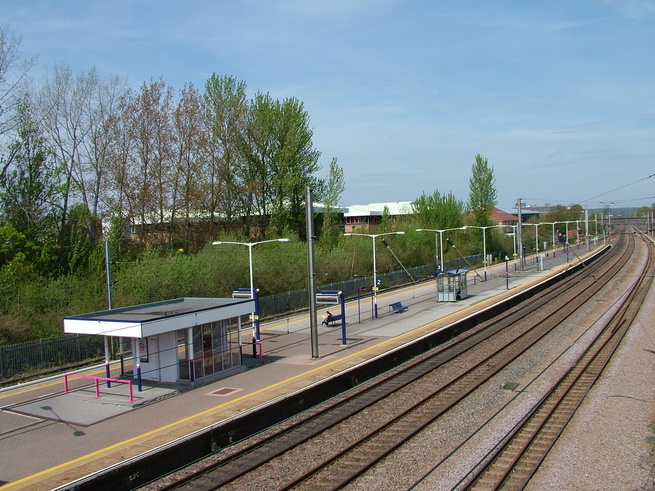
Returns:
(484, 243)
(536, 239)
(553, 224)
(250, 245)
(375, 274)
(440, 245)
(566, 237)
(567, 232)
(513, 234)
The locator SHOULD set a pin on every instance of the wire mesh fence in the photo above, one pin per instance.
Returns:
(42, 354)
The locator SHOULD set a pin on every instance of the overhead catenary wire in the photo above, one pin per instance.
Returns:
(621, 187)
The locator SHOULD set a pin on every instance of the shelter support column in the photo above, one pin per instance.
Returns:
(189, 334)
(107, 362)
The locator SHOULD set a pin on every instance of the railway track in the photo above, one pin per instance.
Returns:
(374, 431)
(513, 463)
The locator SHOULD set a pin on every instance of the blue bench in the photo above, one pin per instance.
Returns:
(398, 307)
(333, 318)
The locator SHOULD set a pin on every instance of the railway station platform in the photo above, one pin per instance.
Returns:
(50, 439)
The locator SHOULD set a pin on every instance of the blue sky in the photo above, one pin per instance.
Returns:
(558, 95)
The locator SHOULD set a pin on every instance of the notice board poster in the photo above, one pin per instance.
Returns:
(143, 350)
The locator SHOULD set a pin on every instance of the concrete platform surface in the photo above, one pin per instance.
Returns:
(48, 438)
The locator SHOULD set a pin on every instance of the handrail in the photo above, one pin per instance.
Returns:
(98, 379)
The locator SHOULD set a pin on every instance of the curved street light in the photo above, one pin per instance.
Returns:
(484, 243)
(513, 234)
(553, 224)
(375, 277)
(440, 244)
(536, 239)
(250, 245)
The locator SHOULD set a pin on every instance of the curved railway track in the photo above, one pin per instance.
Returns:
(513, 463)
(375, 429)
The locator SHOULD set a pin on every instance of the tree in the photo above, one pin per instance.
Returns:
(29, 183)
(260, 151)
(482, 186)
(226, 112)
(295, 162)
(150, 160)
(386, 221)
(561, 213)
(331, 195)
(98, 150)
(63, 101)
(13, 71)
(30, 197)
(438, 211)
(190, 144)
(281, 161)
(118, 194)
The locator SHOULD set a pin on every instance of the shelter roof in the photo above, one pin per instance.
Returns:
(454, 272)
(157, 317)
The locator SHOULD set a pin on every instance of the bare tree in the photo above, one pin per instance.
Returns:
(190, 142)
(63, 101)
(13, 72)
(118, 195)
(102, 117)
(151, 157)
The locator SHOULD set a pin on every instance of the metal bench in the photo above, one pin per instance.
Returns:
(333, 318)
(397, 307)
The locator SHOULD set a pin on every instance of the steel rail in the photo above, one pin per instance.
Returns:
(227, 470)
(515, 462)
(346, 465)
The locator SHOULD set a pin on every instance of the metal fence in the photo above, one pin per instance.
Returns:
(44, 354)
(293, 301)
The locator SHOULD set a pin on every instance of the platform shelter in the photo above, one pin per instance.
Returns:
(451, 285)
(185, 339)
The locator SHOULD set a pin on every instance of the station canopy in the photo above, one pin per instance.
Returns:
(156, 318)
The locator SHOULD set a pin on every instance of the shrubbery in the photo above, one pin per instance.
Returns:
(33, 305)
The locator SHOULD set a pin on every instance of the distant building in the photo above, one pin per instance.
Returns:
(528, 214)
(500, 217)
(356, 218)
(367, 218)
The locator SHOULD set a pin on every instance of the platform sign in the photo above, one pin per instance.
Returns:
(254, 317)
(143, 350)
(329, 297)
(242, 293)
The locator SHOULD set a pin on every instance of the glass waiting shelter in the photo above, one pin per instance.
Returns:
(178, 340)
(451, 285)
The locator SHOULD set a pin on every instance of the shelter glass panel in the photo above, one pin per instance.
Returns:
(216, 347)
(207, 350)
